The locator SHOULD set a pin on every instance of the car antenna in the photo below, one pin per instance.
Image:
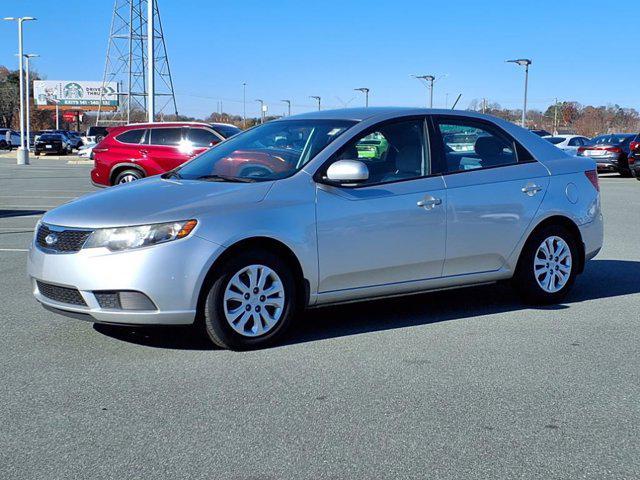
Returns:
(456, 102)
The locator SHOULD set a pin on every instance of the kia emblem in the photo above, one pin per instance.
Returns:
(51, 239)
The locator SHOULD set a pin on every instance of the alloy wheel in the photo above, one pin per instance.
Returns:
(254, 300)
(552, 264)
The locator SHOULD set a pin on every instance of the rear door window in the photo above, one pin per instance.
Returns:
(471, 144)
(170, 137)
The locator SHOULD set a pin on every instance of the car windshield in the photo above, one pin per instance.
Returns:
(268, 152)
(555, 140)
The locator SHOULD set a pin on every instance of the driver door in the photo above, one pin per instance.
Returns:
(377, 233)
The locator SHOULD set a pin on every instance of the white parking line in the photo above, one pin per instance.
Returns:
(14, 250)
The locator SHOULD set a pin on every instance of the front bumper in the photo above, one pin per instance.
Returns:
(170, 274)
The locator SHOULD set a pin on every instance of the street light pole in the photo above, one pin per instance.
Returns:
(318, 99)
(244, 105)
(23, 154)
(27, 56)
(364, 90)
(288, 102)
(429, 79)
(523, 62)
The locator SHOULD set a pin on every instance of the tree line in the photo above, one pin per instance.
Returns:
(569, 117)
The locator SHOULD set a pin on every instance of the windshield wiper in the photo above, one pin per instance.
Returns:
(225, 178)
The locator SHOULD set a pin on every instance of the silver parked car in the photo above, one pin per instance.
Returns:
(323, 208)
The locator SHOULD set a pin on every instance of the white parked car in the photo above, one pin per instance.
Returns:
(568, 143)
(86, 151)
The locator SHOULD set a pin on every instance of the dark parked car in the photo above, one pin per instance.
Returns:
(610, 152)
(52, 143)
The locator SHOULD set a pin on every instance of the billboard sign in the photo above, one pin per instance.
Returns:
(79, 95)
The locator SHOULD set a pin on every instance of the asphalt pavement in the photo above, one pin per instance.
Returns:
(452, 385)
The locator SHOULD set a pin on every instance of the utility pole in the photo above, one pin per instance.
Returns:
(555, 118)
(318, 99)
(523, 62)
(429, 79)
(244, 105)
(288, 102)
(364, 90)
(23, 154)
(484, 105)
(151, 60)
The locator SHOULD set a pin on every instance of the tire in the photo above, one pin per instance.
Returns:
(529, 285)
(626, 173)
(228, 322)
(37, 154)
(127, 176)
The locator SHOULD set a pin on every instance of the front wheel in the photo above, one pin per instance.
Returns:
(548, 266)
(251, 302)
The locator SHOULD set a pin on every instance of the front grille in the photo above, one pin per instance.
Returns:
(66, 240)
(61, 294)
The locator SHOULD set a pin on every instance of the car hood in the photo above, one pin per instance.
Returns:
(155, 200)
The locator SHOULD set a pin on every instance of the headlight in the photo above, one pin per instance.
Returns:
(124, 238)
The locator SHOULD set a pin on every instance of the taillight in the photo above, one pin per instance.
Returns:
(581, 150)
(634, 145)
(592, 175)
(612, 149)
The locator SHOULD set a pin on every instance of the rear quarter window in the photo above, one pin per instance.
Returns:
(132, 136)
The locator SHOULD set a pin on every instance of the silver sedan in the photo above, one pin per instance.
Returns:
(323, 208)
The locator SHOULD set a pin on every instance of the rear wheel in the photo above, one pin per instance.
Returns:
(548, 265)
(127, 176)
(251, 302)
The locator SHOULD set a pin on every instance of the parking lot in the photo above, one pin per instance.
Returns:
(451, 384)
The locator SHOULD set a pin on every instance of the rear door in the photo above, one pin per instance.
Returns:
(494, 190)
(165, 150)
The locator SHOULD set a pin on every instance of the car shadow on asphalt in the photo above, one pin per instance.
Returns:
(601, 279)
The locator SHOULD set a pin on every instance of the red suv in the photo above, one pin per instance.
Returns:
(135, 151)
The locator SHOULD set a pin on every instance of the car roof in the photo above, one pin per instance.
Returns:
(365, 113)
(164, 124)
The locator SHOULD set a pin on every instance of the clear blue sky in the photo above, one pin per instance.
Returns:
(292, 49)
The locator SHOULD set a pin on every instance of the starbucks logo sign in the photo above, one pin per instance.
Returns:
(73, 90)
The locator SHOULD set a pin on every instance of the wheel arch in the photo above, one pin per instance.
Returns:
(567, 223)
(124, 166)
(258, 243)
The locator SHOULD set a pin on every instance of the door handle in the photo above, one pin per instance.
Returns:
(429, 202)
(143, 152)
(531, 189)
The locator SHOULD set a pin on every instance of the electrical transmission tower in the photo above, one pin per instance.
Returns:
(127, 64)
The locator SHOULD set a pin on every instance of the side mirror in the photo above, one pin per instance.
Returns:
(347, 171)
